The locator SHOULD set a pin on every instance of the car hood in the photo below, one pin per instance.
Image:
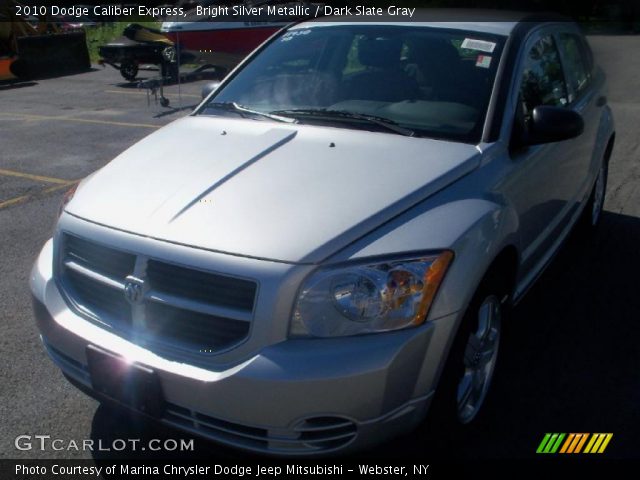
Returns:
(267, 190)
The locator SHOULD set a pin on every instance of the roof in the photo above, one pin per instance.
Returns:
(497, 22)
(497, 28)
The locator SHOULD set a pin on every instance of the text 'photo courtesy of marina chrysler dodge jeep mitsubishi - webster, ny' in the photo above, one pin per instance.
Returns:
(323, 253)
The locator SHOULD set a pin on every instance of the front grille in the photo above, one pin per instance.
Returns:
(181, 309)
(200, 331)
(99, 300)
(316, 434)
(98, 258)
(202, 286)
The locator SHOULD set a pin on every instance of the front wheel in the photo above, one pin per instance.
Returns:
(470, 367)
(480, 355)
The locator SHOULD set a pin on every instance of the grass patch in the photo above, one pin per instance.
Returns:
(107, 32)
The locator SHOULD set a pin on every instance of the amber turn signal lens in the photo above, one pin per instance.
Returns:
(432, 279)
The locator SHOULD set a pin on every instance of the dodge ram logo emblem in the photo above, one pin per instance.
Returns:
(133, 290)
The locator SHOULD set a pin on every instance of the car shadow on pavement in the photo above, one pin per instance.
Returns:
(31, 80)
(133, 84)
(569, 356)
(568, 363)
(13, 84)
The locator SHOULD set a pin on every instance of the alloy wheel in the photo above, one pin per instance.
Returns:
(480, 357)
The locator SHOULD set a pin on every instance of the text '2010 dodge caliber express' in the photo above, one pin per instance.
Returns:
(324, 250)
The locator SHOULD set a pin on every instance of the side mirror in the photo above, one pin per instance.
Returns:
(552, 124)
(208, 88)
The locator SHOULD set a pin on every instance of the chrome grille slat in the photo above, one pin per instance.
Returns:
(182, 311)
(101, 259)
(197, 306)
(100, 299)
(87, 272)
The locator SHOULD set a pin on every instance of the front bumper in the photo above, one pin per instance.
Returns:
(296, 397)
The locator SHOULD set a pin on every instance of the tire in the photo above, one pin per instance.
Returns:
(459, 400)
(592, 213)
(129, 70)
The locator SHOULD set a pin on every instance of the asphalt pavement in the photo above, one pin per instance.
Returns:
(570, 361)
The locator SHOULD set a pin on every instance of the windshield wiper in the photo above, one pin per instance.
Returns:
(386, 123)
(241, 109)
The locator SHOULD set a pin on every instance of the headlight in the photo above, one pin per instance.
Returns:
(368, 298)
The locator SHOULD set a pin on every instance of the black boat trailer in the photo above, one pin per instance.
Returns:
(155, 86)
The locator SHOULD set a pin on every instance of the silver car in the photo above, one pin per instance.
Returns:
(326, 249)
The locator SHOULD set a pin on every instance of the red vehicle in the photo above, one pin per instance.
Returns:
(235, 34)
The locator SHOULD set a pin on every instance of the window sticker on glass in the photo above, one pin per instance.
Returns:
(289, 35)
(483, 61)
(480, 45)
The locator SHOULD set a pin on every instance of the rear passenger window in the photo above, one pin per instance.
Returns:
(543, 82)
(575, 63)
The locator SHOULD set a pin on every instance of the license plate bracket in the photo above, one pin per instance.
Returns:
(130, 384)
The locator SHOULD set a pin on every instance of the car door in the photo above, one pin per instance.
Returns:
(542, 186)
(586, 98)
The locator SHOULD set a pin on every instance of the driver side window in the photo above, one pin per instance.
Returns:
(543, 81)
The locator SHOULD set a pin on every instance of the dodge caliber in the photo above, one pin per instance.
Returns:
(323, 254)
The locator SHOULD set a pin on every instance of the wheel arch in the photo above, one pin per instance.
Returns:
(504, 268)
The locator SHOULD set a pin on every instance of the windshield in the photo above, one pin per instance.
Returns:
(431, 82)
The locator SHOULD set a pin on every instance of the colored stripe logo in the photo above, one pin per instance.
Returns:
(574, 443)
